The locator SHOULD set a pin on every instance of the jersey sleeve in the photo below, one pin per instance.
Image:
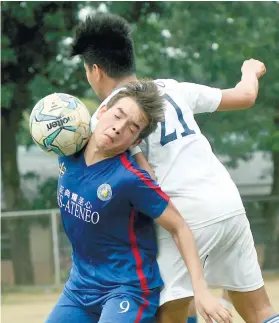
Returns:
(135, 150)
(94, 121)
(200, 97)
(142, 148)
(144, 194)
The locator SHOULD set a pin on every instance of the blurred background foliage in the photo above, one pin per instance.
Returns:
(201, 42)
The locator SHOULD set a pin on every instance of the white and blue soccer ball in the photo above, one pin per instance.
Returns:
(60, 123)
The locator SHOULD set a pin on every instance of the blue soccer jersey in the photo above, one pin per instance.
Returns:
(107, 211)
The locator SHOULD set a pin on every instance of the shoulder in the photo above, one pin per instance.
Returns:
(169, 84)
(72, 159)
(178, 89)
(166, 83)
(133, 173)
(63, 159)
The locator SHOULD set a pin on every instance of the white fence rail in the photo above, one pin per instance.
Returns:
(52, 214)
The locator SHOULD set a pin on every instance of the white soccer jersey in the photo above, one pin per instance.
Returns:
(182, 159)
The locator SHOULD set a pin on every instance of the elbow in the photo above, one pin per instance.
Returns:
(249, 100)
(175, 236)
(178, 230)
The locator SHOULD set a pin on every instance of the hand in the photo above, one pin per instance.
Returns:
(253, 66)
(210, 309)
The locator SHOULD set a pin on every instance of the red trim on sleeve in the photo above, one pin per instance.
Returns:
(128, 165)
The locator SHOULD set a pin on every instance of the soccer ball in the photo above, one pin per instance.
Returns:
(60, 123)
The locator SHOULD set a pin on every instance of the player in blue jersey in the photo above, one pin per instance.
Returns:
(108, 206)
(187, 169)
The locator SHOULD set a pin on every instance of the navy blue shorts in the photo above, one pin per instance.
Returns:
(107, 308)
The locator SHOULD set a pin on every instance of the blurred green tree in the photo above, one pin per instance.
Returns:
(34, 43)
(214, 39)
(32, 37)
(196, 42)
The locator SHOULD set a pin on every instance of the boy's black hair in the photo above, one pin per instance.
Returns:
(105, 40)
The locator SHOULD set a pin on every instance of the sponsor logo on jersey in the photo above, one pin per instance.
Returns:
(76, 205)
(104, 192)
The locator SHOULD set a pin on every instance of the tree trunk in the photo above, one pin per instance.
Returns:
(13, 197)
(20, 251)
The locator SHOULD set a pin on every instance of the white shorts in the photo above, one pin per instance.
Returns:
(227, 254)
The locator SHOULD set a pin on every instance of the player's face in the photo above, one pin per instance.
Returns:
(119, 127)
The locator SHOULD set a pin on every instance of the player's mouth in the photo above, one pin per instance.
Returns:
(111, 139)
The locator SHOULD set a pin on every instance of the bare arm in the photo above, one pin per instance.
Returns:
(173, 222)
(244, 94)
(206, 304)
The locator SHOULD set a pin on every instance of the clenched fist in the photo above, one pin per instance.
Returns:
(253, 66)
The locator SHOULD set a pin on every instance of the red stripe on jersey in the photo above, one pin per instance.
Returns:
(125, 161)
(139, 267)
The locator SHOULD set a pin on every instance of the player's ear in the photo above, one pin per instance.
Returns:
(96, 72)
(102, 110)
(99, 72)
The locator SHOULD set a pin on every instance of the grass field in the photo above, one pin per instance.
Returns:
(34, 307)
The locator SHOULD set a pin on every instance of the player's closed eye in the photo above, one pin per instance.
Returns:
(117, 117)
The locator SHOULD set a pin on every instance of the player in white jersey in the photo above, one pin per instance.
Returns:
(187, 170)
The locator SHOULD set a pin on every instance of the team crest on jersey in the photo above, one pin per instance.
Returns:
(104, 192)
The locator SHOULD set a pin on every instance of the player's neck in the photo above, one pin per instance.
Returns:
(125, 80)
(93, 154)
(114, 84)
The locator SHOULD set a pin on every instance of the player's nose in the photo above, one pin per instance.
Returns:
(116, 131)
(119, 126)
